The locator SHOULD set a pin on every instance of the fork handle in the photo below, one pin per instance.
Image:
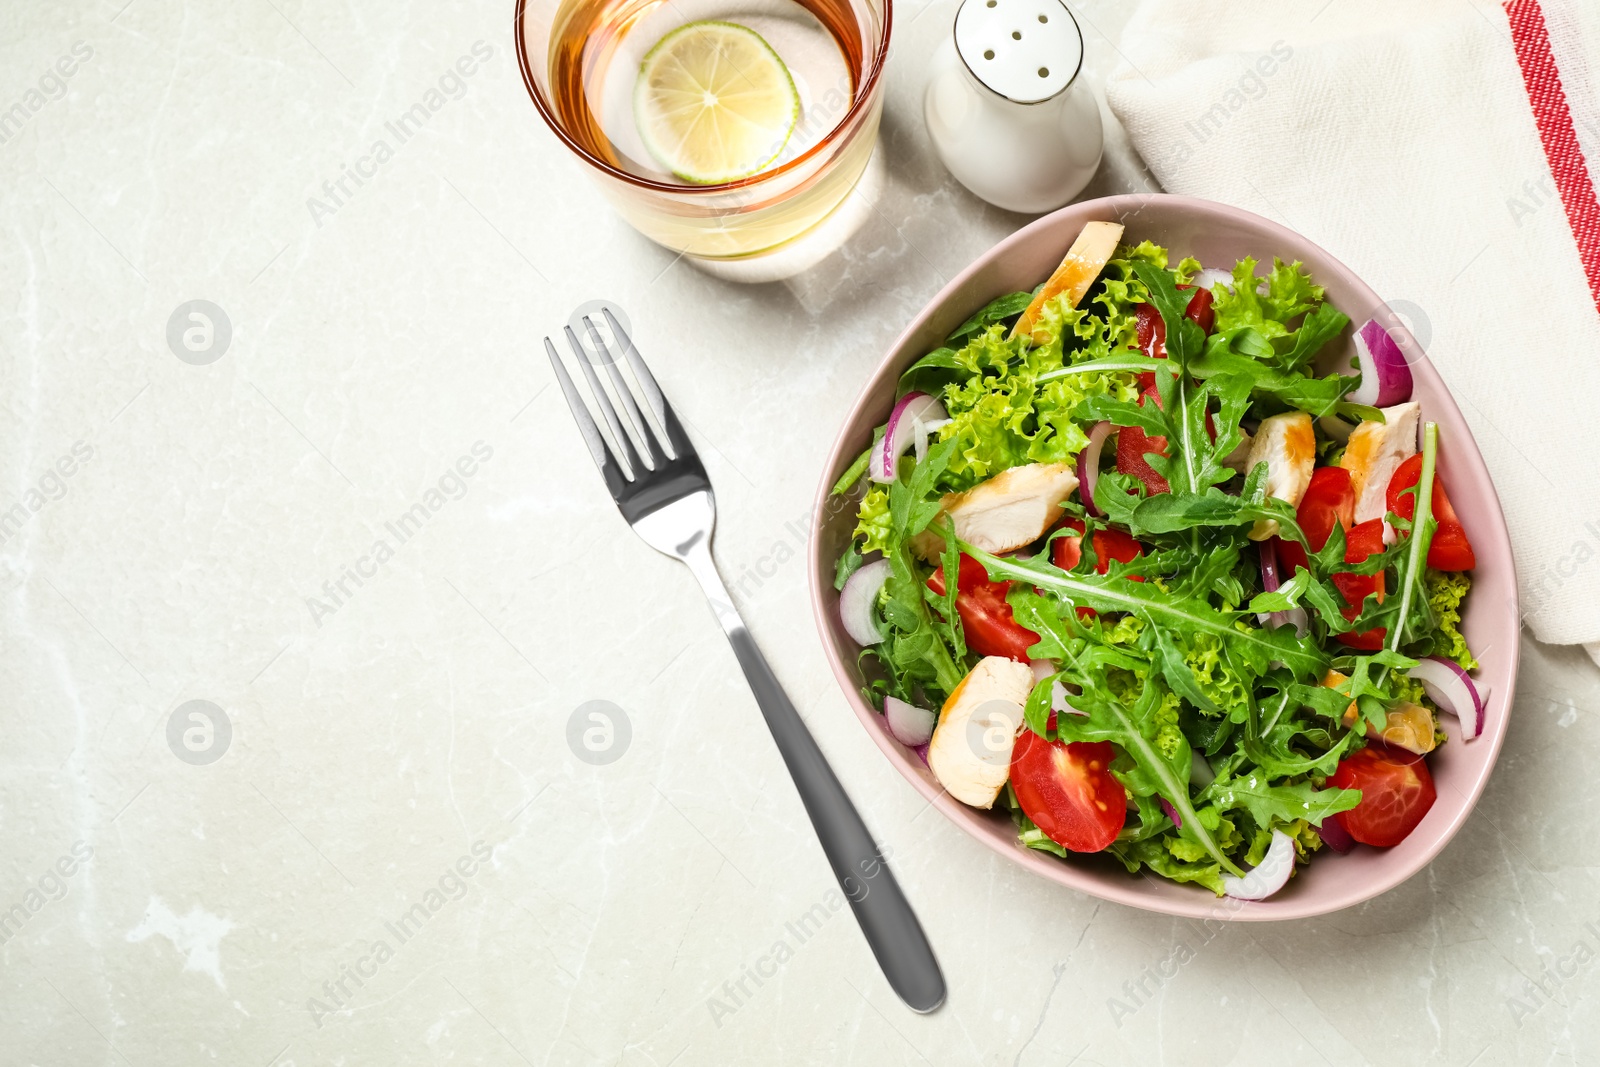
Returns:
(880, 907)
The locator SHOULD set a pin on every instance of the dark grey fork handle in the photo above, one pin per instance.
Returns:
(885, 916)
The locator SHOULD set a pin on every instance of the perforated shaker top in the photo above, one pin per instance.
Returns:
(1025, 50)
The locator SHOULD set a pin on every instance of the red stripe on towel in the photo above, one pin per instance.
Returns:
(1543, 82)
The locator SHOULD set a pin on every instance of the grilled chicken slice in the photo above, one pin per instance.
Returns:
(1287, 445)
(1014, 508)
(970, 753)
(1373, 453)
(1096, 243)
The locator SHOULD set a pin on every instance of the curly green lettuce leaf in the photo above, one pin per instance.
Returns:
(1263, 317)
(1004, 414)
(1276, 805)
(1446, 590)
(874, 529)
(1153, 854)
(1289, 291)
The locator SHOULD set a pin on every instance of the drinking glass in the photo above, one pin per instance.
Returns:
(766, 226)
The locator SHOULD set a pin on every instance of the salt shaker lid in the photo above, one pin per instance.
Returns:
(1024, 50)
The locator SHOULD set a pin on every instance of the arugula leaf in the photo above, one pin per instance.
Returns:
(1274, 757)
(1315, 396)
(1159, 607)
(1130, 362)
(1149, 418)
(1171, 512)
(931, 373)
(1285, 597)
(852, 474)
(849, 562)
(951, 563)
(996, 310)
(1278, 804)
(1320, 326)
(1414, 575)
(1169, 659)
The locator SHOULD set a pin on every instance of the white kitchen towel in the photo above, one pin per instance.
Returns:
(1438, 148)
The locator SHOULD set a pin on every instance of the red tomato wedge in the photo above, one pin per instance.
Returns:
(1200, 311)
(1133, 443)
(1068, 790)
(1396, 792)
(1449, 550)
(1363, 540)
(1152, 335)
(1109, 544)
(1330, 498)
(987, 623)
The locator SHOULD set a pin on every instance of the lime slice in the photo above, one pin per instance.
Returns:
(714, 103)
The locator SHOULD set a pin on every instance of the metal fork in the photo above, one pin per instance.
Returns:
(662, 490)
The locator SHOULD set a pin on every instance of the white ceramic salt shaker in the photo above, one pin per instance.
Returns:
(1006, 109)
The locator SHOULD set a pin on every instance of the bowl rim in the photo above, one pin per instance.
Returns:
(1204, 905)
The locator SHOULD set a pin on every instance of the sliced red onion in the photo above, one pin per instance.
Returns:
(921, 431)
(1450, 687)
(898, 433)
(1211, 277)
(910, 725)
(1269, 876)
(1335, 836)
(1295, 617)
(1089, 466)
(922, 753)
(1200, 772)
(1269, 566)
(1385, 374)
(858, 602)
(1172, 813)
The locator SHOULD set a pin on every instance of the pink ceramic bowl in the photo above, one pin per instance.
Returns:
(1216, 235)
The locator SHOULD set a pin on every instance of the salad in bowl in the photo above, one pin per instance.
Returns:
(1128, 568)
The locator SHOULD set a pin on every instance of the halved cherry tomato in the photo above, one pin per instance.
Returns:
(1363, 540)
(1068, 790)
(1109, 544)
(987, 623)
(1396, 792)
(1330, 498)
(1449, 550)
(1133, 443)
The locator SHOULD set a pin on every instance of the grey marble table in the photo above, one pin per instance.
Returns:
(292, 638)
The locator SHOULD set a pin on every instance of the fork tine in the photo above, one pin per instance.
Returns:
(592, 437)
(623, 442)
(647, 384)
(647, 438)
